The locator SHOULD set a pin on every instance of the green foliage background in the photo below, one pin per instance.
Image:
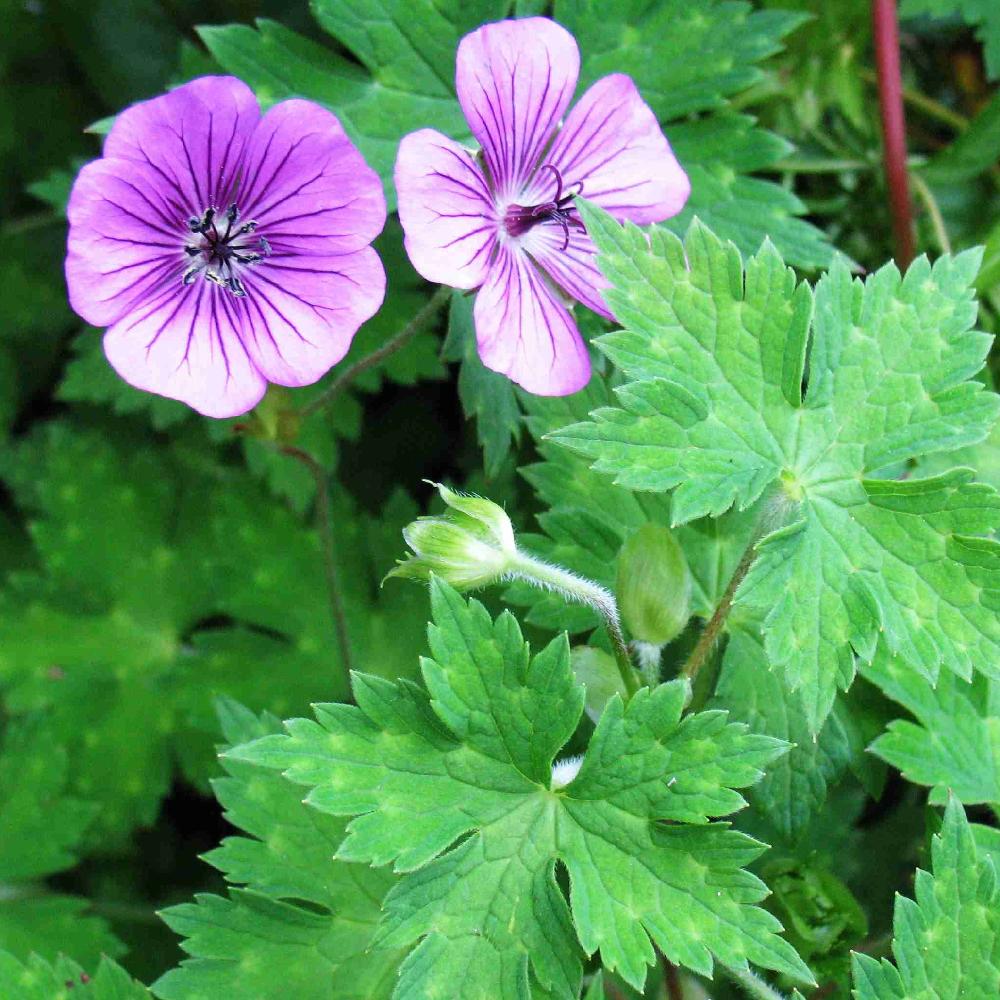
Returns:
(162, 586)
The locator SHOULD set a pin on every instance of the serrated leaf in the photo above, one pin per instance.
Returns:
(36, 979)
(947, 941)
(205, 585)
(262, 941)
(954, 744)
(795, 786)
(454, 788)
(715, 412)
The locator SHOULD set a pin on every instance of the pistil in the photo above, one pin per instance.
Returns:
(520, 219)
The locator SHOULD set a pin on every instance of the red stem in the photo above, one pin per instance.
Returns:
(890, 95)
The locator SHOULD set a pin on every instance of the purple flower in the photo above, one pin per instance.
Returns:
(224, 249)
(506, 223)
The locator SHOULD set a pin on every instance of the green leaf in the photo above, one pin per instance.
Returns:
(407, 53)
(36, 979)
(486, 395)
(456, 788)
(718, 149)
(976, 150)
(984, 15)
(588, 518)
(947, 941)
(42, 827)
(715, 412)
(263, 941)
(206, 585)
(795, 786)
(954, 745)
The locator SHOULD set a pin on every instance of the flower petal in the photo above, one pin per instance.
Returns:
(446, 209)
(525, 332)
(124, 242)
(515, 80)
(183, 344)
(300, 313)
(193, 137)
(569, 257)
(306, 185)
(612, 143)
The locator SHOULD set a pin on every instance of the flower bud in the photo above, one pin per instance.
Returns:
(470, 545)
(654, 585)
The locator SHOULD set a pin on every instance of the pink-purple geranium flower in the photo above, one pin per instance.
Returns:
(224, 249)
(506, 224)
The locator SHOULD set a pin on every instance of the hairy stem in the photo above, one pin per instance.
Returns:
(419, 322)
(583, 591)
(890, 94)
(713, 629)
(754, 985)
(933, 211)
(323, 524)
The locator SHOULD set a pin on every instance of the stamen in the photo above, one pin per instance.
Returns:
(219, 255)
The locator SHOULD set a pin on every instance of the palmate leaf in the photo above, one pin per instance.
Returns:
(36, 979)
(795, 786)
(262, 942)
(204, 586)
(947, 941)
(954, 744)
(715, 412)
(454, 787)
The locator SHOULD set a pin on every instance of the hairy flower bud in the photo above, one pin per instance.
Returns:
(470, 545)
(654, 585)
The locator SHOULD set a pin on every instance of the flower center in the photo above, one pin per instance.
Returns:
(219, 255)
(520, 219)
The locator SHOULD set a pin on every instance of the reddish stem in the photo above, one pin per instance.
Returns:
(890, 95)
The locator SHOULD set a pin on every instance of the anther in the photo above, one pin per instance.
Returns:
(247, 227)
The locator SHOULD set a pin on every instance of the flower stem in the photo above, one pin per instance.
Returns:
(583, 591)
(890, 93)
(323, 524)
(754, 985)
(712, 630)
(420, 320)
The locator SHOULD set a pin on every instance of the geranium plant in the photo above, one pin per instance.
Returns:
(500, 501)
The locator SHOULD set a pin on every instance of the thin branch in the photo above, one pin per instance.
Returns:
(420, 320)
(713, 629)
(930, 107)
(933, 211)
(890, 96)
(323, 524)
